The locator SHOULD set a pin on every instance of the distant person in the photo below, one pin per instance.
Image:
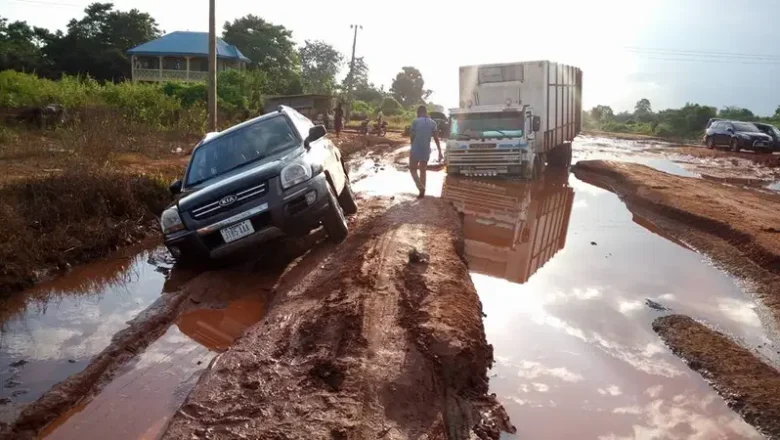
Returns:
(338, 119)
(380, 117)
(422, 130)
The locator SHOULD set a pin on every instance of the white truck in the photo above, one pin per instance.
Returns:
(514, 118)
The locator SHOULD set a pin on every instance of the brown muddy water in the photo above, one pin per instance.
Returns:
(143, 397)
(52, 331)
(571, 281)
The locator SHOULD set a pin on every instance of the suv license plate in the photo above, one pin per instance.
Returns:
(240, 230)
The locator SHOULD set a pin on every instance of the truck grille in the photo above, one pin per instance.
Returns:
(213, 208)
(483, 157)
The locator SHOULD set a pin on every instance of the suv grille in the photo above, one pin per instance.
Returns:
(212, 208)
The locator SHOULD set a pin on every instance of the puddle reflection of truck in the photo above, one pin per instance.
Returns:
(514, 118)
(512, 228)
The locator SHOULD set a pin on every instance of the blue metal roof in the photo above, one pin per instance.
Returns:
(187, 43)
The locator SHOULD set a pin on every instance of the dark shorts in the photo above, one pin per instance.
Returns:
(420, 154)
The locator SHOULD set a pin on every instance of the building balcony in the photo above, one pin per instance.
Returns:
(169, 75)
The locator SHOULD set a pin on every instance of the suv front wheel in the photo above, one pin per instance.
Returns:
(334, 221)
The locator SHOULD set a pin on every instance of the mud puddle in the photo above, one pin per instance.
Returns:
(571, 283)
(597, 148)
(51, 331)
(144, 396)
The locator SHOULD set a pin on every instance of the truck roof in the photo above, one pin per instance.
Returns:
(487, 109)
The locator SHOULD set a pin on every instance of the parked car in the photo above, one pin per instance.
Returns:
(271, 176)
(772, 131)
(737, 135)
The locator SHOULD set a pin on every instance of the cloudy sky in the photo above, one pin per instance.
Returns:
(714, 52)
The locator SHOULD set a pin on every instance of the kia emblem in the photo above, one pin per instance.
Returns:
(227, 200)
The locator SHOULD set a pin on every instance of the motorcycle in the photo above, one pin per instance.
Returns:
(375, 128)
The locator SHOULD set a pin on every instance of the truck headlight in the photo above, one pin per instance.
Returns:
(295, 173)
(170, 221)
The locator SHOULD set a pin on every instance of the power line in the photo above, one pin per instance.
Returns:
(696, 54)
(39, 2)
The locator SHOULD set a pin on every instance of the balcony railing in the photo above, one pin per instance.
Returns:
(168, 75)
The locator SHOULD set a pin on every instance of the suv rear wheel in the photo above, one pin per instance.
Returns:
(734, 145)
(334, 221)
(710, 143)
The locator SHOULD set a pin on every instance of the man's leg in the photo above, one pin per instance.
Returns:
(413, 170)
(423, 168)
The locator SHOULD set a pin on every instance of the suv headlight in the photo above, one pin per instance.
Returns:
(170, 221)
(295, 173)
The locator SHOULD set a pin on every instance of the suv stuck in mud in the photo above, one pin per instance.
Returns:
(270, 176)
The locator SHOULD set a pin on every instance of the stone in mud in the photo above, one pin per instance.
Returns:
(417, 257)
(4, 400)
(20, 392)
(656, 306)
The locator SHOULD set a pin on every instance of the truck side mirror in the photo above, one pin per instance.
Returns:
(175, 187)
(537, 124)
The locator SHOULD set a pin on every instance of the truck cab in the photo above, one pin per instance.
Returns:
(491, 140)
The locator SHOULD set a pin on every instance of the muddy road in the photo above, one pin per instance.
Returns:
(383, 336)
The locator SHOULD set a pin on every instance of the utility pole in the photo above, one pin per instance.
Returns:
(351, 84)
(212, 80)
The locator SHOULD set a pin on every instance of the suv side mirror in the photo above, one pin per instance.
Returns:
(315, 133)
(175, 187)
(537, 123)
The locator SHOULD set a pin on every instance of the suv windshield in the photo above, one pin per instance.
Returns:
(245, 145)
(744, 126)
(487, 124)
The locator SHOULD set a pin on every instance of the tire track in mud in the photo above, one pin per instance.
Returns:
(340, 355)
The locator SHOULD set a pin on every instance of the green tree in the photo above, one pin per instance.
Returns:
(20, 46)
(271, 49)
(602, 113)
(408, 87)
(643, 112)
(320, 63)
(97, 44)
(736, 113)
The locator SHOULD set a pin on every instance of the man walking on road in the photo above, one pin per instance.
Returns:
(338, 119)
(422, 130)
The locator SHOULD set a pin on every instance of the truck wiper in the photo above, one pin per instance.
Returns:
(501, 132)
(463, 136)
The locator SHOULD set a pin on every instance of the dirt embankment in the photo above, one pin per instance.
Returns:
(383, 340)
(750, 387)
(765, 160)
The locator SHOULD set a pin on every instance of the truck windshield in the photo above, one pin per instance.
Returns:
(241, 147)
(500, 124)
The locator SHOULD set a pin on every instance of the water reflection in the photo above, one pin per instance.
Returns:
(218, 329)
(570, 328)
(511, 229)
(52, 330)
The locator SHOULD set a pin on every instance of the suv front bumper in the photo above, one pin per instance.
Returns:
(278, 213)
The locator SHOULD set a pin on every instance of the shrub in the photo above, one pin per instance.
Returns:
(391, 107)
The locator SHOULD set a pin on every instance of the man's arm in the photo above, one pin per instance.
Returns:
(436, 139)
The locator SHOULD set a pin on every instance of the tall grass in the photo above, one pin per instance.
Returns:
(173, 105)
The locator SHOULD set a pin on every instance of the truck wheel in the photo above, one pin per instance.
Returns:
(347, 199)
(334, 221)
(560, 157)
(538, 167)
(710, 143)
(735, 145)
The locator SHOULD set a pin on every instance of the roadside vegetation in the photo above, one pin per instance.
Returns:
(685, 123)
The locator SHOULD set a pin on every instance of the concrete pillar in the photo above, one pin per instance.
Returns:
(161, 67)
(188, 68)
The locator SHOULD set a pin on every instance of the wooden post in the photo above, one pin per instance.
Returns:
(188, 68)
(161, 67)
(132, 68)
(212, 80)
